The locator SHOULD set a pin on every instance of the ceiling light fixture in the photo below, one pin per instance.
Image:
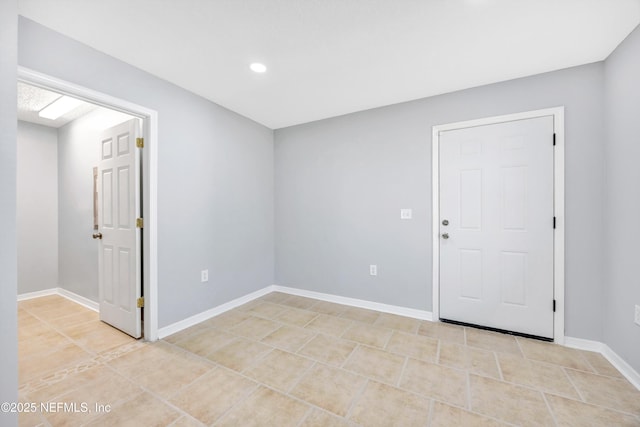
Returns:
(59, 107)
(257, 67)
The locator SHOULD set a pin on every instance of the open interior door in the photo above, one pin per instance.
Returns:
(119, 237)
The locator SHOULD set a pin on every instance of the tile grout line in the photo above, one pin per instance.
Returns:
(97, 416)
(367, 378)
(54, 372)
(593, 369)
(356, 398)
(402, 371)
(258, 359)
(191, 419)
(469, 405)
(360, 342)
(519, 385)
(155, 395)
(303, 375)
(363, 322)
(595, 374)
(431, 408)
(93, 360)
(348, 359)
(239, 402)
(524, 355)
(497, 360)
(490, 417)
(573, 384)
(595, 405)
(309, 321)
(300, 347)
(306, 415)
(551, 412)
(585, 360)
(292, 396)
(82, 346)
(393, 332)
(535, 389)
(214, 366)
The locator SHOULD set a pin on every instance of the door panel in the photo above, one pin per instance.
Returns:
(119, 200)
(496, 191)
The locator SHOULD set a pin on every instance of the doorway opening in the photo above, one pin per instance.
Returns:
(101, 112)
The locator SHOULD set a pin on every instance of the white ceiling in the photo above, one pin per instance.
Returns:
(32, 99)
(331, 57)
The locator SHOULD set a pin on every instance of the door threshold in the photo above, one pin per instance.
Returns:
(502, 331)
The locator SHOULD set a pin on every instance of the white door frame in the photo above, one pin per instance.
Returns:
(149, 178)
(558, 202)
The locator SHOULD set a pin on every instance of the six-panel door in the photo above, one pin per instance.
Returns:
(119, 256)
(496, 193)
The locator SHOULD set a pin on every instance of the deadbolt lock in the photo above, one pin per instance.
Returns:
(445, 222)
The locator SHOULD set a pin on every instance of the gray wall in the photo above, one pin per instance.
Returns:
(341, 182)
(78, 153)
(621, 287)
(37, 198)
(215, 184)
(8, 251)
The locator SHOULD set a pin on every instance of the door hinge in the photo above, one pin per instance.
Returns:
(554, 306)
(554, 222)
(140, 142)
(140, 302)
(139, 223)
(554, 139)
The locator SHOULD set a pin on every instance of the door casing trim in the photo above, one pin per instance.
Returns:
(558, 202)
(149, 177)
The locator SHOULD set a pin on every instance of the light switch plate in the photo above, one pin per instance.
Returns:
(637, 316)
(406, 213)
(204, 276)
(373, 270)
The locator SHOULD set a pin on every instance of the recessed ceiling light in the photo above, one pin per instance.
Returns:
(257, 67)
(59, 107)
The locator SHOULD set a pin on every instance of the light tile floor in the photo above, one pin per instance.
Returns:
(284, 360)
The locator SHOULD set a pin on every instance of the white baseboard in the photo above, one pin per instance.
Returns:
(621, 365)
(618, 362)
(37, 294)
(354, 302)
(206, 315)
(582, 344)
(86, 302)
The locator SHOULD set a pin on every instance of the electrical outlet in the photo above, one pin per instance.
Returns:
(373, 270)
(637, 317)
(204, 276)
(406, 213)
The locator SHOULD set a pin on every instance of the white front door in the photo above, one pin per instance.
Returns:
(119, 206)
(496, 225)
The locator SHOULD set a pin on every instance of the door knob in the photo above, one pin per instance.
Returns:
(445, 236)
(97, 236)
